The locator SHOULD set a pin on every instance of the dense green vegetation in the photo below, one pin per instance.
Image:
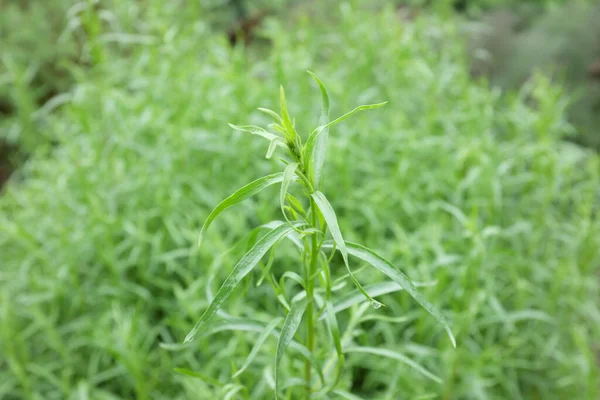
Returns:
(469, 191)
(508, 46)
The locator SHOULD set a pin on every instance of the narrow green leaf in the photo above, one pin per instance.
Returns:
(315, 148)
(294, 277)
(278, 128)
(240, 195)
(231, 324)
(193, 374)
(256, 130)
(337, 340)
(272, 147)
(332, 223)
(233, 391)
(295, 204)
(320, 146)
(374, 290)
(249, 325)
(333, 326)
(290, 326)
(324, 119)
(349, 114)
(287, 122)
(395, 356)
(345, 395)
(267, 268)
(288, 177)
(272, 113)
(257, 345)
(387, 268)
(242, 268)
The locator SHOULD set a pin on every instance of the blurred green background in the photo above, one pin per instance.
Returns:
(481, 174)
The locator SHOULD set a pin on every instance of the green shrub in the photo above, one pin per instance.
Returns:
(473, 195)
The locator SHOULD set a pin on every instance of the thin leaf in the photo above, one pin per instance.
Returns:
(400, 278)
(232, 392)
(345, 395)
(318, 154)
(290, 326)
(288, 177)
(374, 290)
(272, 147)
(295, 204)
(278, 128)
(242, 268)
(357, 109)
(256, 130)
(337, 340)
(331, 219)
(395, 356)
(257, 345)
(315, 148)
(267, 268)
(240, 195)
(287, 122)
(324, 119)
(294, 277)
(193, 374)
(249, 325)
(272, 113)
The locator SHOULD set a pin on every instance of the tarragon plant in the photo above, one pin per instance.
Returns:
(309, 229)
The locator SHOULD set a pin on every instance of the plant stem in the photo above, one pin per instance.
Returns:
(310, 283)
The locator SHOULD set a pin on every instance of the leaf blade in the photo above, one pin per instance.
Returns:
(396, 356)
(350, 113)
(290, 326)
(331, 220)
(320, 146)
(241, 269)
(374, 290)
(388, 269)
(238, 196)
(256, 130)
(287, 122)
(315, 146)
(288, 176)
(257, 345)
(194, 374)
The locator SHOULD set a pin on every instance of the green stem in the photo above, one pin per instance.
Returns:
(310, 286)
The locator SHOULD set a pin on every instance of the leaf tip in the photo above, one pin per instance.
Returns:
(190, 336)
(451, 336)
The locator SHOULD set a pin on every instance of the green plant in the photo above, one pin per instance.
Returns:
(307, 228)
(455, 183)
